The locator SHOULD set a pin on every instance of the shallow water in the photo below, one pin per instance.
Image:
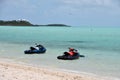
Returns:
(99, 45)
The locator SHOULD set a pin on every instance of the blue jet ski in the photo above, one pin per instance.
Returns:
(33, 50)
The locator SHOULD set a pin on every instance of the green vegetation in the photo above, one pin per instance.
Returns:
(26, 23)
(15, 23)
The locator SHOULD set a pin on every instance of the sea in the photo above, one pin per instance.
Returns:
(100, 45)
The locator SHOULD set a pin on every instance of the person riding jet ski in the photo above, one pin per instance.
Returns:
(70, 55)
(37, 49)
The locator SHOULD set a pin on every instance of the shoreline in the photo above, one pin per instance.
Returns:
(16, 71)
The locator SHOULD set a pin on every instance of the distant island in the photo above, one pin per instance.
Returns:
(26, 23)
(15, 23)
(55, 25)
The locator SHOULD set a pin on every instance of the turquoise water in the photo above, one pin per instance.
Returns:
(101, 46)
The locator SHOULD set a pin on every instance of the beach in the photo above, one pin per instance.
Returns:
(15, 71)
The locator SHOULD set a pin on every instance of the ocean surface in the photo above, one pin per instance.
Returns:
(101, 47)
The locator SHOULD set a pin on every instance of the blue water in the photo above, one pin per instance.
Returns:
(101, 46)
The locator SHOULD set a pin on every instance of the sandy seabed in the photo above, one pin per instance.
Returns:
(16, 71)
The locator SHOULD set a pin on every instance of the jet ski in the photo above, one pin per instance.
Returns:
(35, 51)
(39, 49)
(68, 57)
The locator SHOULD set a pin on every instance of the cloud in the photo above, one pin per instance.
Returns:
(60, 10)
(93, 3)
(89, 6)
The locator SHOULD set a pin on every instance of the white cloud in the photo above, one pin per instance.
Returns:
(89, 6)
(91, 2)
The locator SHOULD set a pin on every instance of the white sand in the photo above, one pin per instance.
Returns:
(15, 71)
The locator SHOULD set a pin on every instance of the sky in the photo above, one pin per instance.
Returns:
(70, 12)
